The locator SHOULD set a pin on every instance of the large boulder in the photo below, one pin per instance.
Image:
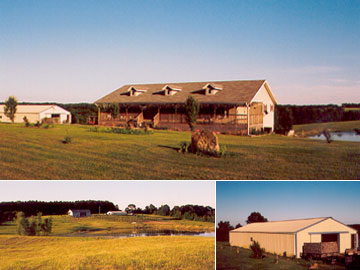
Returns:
(204, 141)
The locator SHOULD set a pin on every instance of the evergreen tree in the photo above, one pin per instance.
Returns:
(191, 111)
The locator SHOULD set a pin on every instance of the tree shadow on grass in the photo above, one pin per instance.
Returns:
(169, 147)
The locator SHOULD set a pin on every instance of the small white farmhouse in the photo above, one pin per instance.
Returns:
(36, 113)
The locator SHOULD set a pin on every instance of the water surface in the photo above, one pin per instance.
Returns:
(146, 233)
(349, 136)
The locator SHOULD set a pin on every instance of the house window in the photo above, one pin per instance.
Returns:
(251, 239)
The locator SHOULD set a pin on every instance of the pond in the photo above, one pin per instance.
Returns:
(147, 233)
(349, 136)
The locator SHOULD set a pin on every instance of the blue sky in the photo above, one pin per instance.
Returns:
(141, 193)
(235, 201)
(74, 51)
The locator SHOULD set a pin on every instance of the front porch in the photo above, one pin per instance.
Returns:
(229, 118)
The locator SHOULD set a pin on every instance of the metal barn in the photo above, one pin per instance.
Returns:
(290, 236)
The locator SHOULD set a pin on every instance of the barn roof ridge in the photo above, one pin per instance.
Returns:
(295, 219)
(235, 91)
(283, 226)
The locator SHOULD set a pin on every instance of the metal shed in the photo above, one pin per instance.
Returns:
(290, 235)
(79, 212)
(36, 113)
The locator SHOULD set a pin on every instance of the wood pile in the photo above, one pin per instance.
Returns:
(320, 248)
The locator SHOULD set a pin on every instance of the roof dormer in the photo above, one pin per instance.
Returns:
(135, 91)
(212, 88)
(171, 90)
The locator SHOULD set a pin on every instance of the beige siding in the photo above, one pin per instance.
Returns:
(272, 242)
(313, 234)
(263, 96)
(19, 118)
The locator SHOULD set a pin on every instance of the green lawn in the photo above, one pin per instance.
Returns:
(33, 153)
(233, 258)
(107, 225)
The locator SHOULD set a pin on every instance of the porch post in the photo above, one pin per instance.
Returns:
(248, 119)
(175, 113)
(159, 112)
(99, 114)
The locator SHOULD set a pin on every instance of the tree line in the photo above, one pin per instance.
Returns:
(189, 211)
(224, 227)
(32, 208)
(8, 210)
(288, 115)
(285, 115)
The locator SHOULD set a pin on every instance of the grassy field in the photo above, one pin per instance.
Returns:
(228, 258)
(33, 153)
(73, 253)
(107, 225)
(94, 251)
(313, 129)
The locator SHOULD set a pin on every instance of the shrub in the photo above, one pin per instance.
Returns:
(38, 124)
(93, 129)
(258, 131)
(222, 151)
(22, 224)
(327, 135)
(184, 147)
(27, 123)
(67, 140)
(33, 226)
(161, 128)
(122, 131)
(258, 252)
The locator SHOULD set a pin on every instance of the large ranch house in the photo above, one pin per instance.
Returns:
(225, 106)
(295, 237)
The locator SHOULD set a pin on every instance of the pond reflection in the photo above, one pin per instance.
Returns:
(349, 136)
(142, 233)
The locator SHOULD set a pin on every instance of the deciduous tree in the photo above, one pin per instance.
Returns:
(255, 217)
(10, 108)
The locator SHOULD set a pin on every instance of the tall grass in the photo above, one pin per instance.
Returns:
(172, 253)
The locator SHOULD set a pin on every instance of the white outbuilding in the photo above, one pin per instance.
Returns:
(79, 212)
(290, 236)
(117, 213)
(36, 113)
